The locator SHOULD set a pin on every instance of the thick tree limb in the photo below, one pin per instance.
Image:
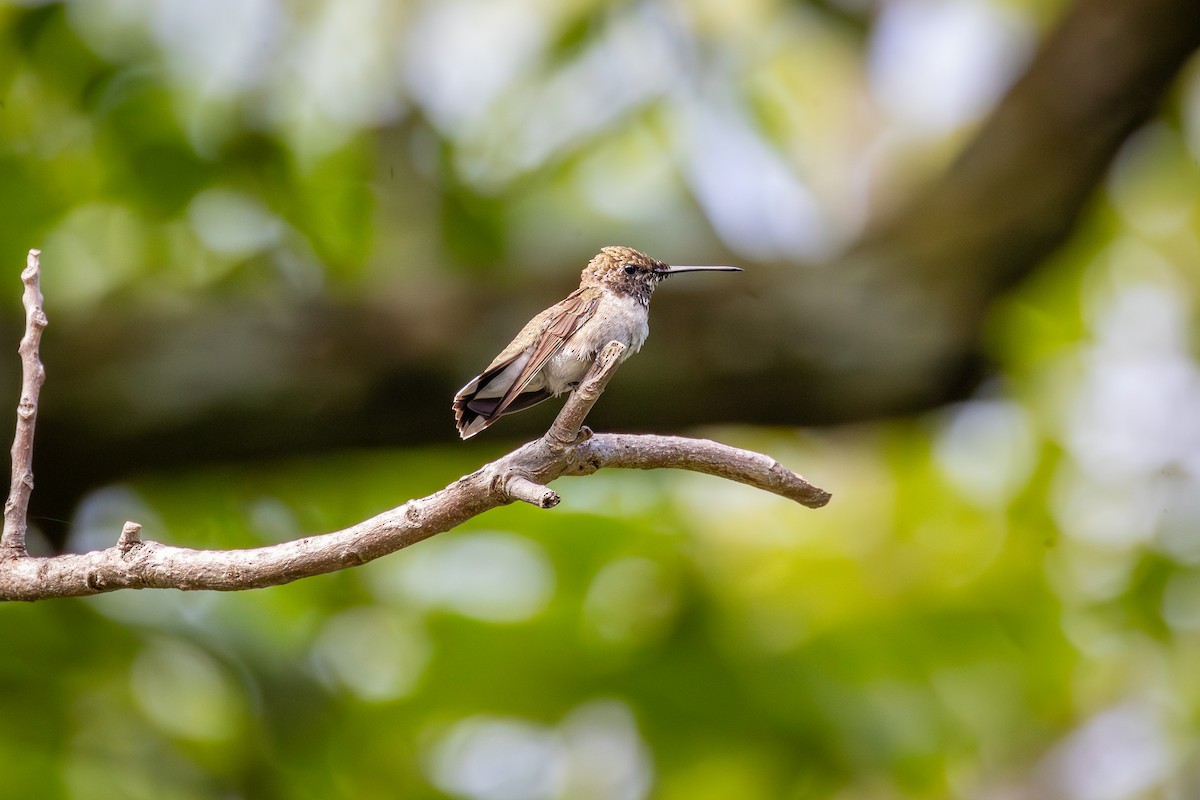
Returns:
(894, 324)
(566, 449)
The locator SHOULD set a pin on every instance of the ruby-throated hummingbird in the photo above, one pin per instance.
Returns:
(556, 348)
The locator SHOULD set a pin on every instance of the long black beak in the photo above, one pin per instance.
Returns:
(671, 270)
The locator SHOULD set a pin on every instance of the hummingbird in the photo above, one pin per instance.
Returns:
(556, 348)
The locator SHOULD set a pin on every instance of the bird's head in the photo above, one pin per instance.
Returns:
(631, 272)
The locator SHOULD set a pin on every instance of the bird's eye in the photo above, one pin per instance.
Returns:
(630, 269)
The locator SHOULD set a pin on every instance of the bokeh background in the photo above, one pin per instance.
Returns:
(278, 236)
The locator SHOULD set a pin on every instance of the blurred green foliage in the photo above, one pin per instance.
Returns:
(763, 650)
(1000, 602)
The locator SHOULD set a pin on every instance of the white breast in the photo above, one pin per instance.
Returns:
(617, 318)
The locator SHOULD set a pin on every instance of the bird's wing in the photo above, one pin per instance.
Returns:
(477, 405)
(562, 322)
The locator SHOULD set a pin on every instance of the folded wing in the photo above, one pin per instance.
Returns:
(513, 381)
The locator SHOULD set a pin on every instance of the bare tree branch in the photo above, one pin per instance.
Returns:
(16, 508)
(568, 425)
(643, 451)
(567, 448)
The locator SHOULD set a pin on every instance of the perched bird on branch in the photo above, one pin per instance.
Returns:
(554, 350)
